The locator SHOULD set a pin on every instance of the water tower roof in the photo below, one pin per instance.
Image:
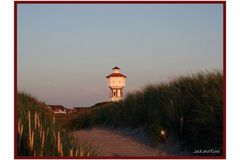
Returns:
(116, 68)
(116, 75)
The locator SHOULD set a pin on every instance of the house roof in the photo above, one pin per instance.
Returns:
(116, 68)
(116, 75)
(57, 107)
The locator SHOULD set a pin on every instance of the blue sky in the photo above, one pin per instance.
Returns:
(65, 51)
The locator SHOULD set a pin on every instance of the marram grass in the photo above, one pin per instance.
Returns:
(39, 135)
(189, 107)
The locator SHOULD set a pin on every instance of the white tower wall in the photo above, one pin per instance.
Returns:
(116, 83)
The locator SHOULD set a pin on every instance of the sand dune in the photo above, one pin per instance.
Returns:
(125, 142)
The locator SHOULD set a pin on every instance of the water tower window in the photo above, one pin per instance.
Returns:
(114, 93)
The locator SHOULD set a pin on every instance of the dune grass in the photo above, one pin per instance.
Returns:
(189, 107)
(39, 134)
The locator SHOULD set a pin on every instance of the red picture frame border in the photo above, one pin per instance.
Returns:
(119, 2)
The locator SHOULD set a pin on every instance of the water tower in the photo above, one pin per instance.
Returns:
(116, 83)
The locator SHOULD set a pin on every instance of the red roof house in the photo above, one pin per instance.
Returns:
(58, 109)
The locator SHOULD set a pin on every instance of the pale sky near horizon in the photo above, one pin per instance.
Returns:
(65, 51)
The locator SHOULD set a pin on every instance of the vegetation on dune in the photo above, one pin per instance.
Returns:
(39, 134)
(190, 108)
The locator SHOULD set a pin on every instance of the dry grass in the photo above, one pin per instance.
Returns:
(40, 135)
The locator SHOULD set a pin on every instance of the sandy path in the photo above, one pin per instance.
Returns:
(118, 142)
